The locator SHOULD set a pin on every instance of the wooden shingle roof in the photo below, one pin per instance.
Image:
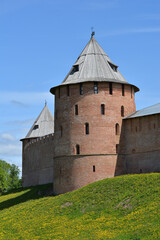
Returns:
(43, 125)
(93, 65)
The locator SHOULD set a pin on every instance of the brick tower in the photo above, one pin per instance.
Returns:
(37, 151)
(89, 107)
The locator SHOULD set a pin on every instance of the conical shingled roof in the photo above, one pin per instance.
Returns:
(43, 125)
(93, 64)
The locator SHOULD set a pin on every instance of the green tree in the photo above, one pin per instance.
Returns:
(14, 176)
(3, 181)
(9, 176)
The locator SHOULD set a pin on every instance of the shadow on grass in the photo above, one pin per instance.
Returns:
(32, 193)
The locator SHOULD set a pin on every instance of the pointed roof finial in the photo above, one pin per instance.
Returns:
(93, 32)
(45, 102)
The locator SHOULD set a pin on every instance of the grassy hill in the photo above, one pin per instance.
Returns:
(121, 208)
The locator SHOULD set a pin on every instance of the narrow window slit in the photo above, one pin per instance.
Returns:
(122, 111)
(77, 149)
(76, 109)
(87, 128)
(110, 88)
(95, 88)
(117, 131)
(122, 89)
(102, 109)
(81, 89)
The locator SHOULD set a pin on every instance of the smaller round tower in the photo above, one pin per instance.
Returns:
(89, 107)
(38, 152)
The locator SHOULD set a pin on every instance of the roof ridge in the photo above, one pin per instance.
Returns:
(95, 58)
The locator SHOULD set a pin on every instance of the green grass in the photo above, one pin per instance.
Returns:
(121, 208)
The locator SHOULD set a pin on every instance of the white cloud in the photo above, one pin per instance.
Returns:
(9, 146)
(22, 123)
(10, 149)
(18, 103)
(25, 98)
(7, 136)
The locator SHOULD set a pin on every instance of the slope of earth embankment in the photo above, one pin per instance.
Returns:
(120, 208)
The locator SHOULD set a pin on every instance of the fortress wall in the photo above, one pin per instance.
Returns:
(38, 161)
(142, 144)
(101, 140)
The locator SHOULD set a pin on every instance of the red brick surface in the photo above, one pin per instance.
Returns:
(101, 138)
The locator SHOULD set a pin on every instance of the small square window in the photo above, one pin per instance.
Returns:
(74, 69)
(114, 67)
(35, 127)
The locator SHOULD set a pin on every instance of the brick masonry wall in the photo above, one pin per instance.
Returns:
(141, 144)
(73, 172)
(101, 140)
(37, 165)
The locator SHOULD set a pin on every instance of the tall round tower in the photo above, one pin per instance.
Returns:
(89, 107)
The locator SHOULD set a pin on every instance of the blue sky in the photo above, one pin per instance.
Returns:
(41, 39)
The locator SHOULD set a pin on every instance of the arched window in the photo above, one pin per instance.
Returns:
(77, 149)
(87, 128)
(122, 111)
(102, 109)
(117, 129)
